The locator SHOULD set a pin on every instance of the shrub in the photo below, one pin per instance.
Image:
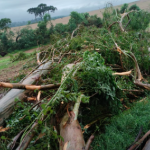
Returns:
(134, 7)
(124, 8)
(18, 57)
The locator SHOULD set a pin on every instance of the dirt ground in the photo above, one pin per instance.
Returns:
(9, 73)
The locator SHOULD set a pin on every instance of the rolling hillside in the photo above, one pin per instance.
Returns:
(143, 4)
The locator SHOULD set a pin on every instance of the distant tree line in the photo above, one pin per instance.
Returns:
(28, 37)
(124, 8)
(22, 23)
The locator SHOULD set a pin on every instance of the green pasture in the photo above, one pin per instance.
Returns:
(6, 63)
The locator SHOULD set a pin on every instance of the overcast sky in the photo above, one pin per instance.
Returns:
(16, 10)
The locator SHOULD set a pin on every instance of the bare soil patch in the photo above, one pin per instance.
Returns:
(8, 74)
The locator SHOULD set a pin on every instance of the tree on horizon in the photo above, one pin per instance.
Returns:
(41, 10)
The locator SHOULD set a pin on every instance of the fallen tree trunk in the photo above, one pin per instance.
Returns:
(70, 128)
(8, 100)
(71, 131)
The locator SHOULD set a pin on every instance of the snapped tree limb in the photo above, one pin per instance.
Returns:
(28, 87)
(123, 73)
(121, 20)
(140, 84)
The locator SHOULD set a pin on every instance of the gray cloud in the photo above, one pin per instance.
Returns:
(16, 10)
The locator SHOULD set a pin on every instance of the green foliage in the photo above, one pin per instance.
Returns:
(4, 41)
(123, 129)
(94, 20)
(42, 32)
(76, 43)
(134, 7)
(60, 28)
(18, 57)
(47, 18)
(124, 8)
(15, 120)
(4, 22)
(91, 77)
(109, 16)
(95, 77)
(139, 20)
(76, 19)
(26, 39)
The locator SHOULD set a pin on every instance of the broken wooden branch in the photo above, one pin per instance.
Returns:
(28, 137)
(15, 140)
(75, 31)
(91, 138)
(140, 141)
(138, 72)
(121, 20)
(28, 87)
(123, 73)
(38, 58)
(143, 85)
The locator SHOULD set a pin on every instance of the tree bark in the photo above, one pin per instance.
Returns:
(70, 130)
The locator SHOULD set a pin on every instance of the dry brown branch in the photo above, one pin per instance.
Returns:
(140, 141)
(123, 73)
(75, 31)
(28, 87)
(28, 137)
(31, 98)
(121, 20)
(38, 58)
(133, 90)
(63, 56)
(14, 140)
(138, 72)
(4, 129)
(140, 84)
(38, 96)
(87, 146)
(112, 24)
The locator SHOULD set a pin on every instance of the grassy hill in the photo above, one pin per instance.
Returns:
(143, 4)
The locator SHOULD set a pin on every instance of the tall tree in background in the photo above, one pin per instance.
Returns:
(41, 9)
(51, 8)
(4, 22)
(134, 7)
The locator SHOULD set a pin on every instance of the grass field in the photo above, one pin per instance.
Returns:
(5, 63)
